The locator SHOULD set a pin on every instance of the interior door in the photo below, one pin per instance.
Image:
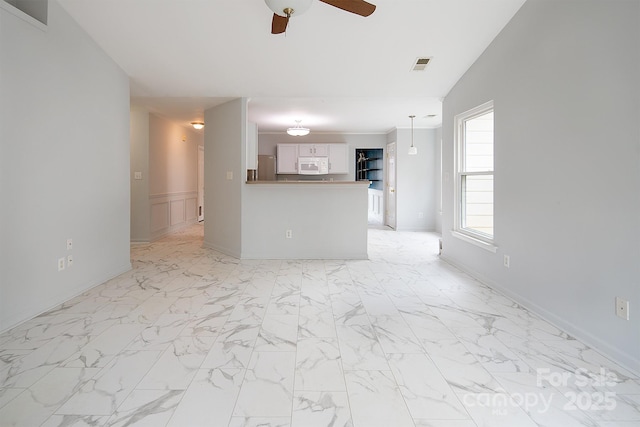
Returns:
(390, 186)
(200, 183)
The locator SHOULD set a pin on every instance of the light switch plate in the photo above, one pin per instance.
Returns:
(229, 175)
(137, 175)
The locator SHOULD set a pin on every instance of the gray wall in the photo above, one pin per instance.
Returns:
(328, 221)
(140, 208)
(64, 164)
(224, 152)
(564, 79)
(438, 180)
(416, 180)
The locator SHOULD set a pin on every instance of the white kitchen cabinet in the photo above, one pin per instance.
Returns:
(338, 158)
(287, 158)
(313, 150)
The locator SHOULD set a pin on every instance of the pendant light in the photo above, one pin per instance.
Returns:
(413, 150)
(298, 130)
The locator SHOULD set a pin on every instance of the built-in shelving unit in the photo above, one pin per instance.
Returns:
(369, 166)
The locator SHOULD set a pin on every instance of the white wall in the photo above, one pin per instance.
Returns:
(224, 153)
(64, 164)
(140, 209)
(564, 81)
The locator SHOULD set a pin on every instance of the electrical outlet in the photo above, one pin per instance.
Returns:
(229, 175)
(420, 214)
(507, 261)
(622, 308)
(70, 261)
(289, 234)
(60, 264)
(69, 244)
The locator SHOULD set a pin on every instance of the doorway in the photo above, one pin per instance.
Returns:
(200, 183)
(390, 186)
(369, 167)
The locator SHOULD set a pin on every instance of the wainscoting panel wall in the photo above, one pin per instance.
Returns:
(171, 212)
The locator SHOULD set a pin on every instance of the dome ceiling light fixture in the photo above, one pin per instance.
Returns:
(197, 125)
(298, 130)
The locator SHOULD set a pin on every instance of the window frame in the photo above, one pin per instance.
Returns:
(475, 237)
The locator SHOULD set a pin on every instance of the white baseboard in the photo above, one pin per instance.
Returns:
(35, 311)
(622, 358)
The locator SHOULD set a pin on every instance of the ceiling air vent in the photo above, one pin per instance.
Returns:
(420, 64)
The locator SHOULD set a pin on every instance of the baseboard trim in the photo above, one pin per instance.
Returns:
(28, 314)
(605, 349)
(221, 249)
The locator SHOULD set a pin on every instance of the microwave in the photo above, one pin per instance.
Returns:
(313, 165)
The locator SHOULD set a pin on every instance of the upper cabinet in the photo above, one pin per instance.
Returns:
(287, 158)
(338, 158)
(313, 150)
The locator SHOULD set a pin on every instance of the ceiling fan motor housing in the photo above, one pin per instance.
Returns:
(298, 6)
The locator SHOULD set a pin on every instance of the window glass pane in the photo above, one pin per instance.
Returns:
(477, 203)
(478, 143)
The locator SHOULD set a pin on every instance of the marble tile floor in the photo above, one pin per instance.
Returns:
(191, 337)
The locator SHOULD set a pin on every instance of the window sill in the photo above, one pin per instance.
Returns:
(477, 242)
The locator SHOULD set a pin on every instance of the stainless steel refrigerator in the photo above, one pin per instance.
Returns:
(266, 167)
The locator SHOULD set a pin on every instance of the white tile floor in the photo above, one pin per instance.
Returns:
(191, 337)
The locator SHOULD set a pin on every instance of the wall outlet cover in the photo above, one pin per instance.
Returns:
(622, 308)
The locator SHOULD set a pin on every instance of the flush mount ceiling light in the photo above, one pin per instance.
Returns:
(298, 130)
(197, 125)
(413, 150)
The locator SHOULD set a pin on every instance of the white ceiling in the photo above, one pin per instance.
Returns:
(335, 71)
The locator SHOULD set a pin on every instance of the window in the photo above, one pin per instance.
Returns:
(474, 175)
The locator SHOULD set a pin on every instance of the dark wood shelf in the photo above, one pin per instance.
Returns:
(369, 166)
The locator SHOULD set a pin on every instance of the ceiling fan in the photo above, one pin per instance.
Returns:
(285, 9)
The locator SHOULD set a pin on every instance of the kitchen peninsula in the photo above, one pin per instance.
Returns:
(319, 219)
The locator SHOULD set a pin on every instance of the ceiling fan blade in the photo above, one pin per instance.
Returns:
(359, 7)
(279, 24)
